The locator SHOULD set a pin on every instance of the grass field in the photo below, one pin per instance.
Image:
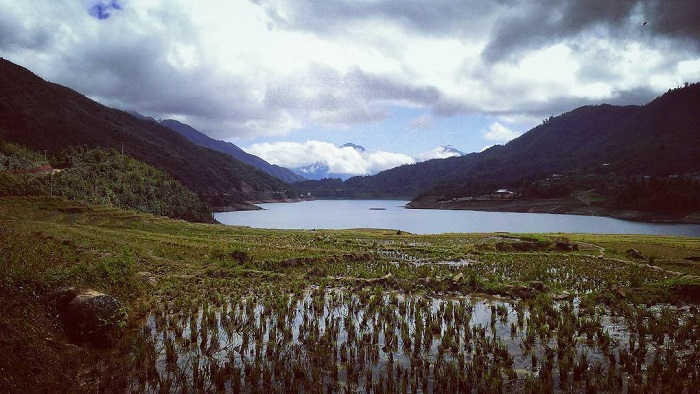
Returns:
(217, 308)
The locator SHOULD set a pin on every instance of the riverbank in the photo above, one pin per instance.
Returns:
(564, 205)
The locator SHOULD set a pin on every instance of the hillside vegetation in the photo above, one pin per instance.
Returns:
(98, 176)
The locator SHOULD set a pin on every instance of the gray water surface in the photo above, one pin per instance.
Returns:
(391, 214)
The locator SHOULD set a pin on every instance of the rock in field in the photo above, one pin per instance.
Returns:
(89, 316)
(634, 253)
(523, 292)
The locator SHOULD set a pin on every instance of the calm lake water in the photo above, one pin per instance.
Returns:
(390, 214)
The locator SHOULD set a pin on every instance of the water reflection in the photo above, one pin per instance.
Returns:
(390, 214)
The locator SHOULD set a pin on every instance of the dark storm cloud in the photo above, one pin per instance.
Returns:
(677, 18)
(536, 24)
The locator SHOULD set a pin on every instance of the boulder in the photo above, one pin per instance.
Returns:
(147, 278)
(618, 292)
(565, 246)
(89, 316)
(564, 295)
(634, 253)
(538, 286)
(239, 256)
(384, 279)
(523, 292)
(63, 297)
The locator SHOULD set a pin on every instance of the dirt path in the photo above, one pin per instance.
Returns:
(601, 255)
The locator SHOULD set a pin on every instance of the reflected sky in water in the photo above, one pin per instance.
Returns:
(391, 214)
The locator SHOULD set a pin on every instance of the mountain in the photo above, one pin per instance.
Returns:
(46, 116)
(358, 148)
(320, 170)
(660, 138)
(451, 150)
(202, 139)
(441, 152)
(314, 171)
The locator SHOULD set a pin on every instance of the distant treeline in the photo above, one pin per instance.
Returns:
(660, 194)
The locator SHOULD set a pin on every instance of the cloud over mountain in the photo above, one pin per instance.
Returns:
(339, 160)
(441, 152)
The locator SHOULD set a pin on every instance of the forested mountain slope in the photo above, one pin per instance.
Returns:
(202, 139)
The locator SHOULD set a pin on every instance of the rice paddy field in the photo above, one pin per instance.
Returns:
(214, 308)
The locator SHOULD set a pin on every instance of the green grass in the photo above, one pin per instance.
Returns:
(49, 243)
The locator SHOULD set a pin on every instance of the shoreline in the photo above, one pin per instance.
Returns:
(558, 206)
(561, 206)
(250, 205)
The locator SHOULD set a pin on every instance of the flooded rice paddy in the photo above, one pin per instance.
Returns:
(338, 339)
(482, 315)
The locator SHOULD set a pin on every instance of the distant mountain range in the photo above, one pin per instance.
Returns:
(320, 170)
(451, 150)
(358, 148)
(202, 139)
(46, 116)
(661, 138)
(317, 171)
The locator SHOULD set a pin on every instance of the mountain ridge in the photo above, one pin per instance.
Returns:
(197, 137)
(43, 115)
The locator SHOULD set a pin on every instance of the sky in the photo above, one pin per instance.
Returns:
(292, 80)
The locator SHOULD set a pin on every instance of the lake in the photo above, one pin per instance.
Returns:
(391, 214)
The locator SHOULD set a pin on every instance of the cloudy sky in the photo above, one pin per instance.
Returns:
(286, 79)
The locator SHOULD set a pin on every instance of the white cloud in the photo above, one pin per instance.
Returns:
(499, 133)
(339, 160)
(689, 71)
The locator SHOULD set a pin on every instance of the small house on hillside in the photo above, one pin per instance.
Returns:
(503, 193)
